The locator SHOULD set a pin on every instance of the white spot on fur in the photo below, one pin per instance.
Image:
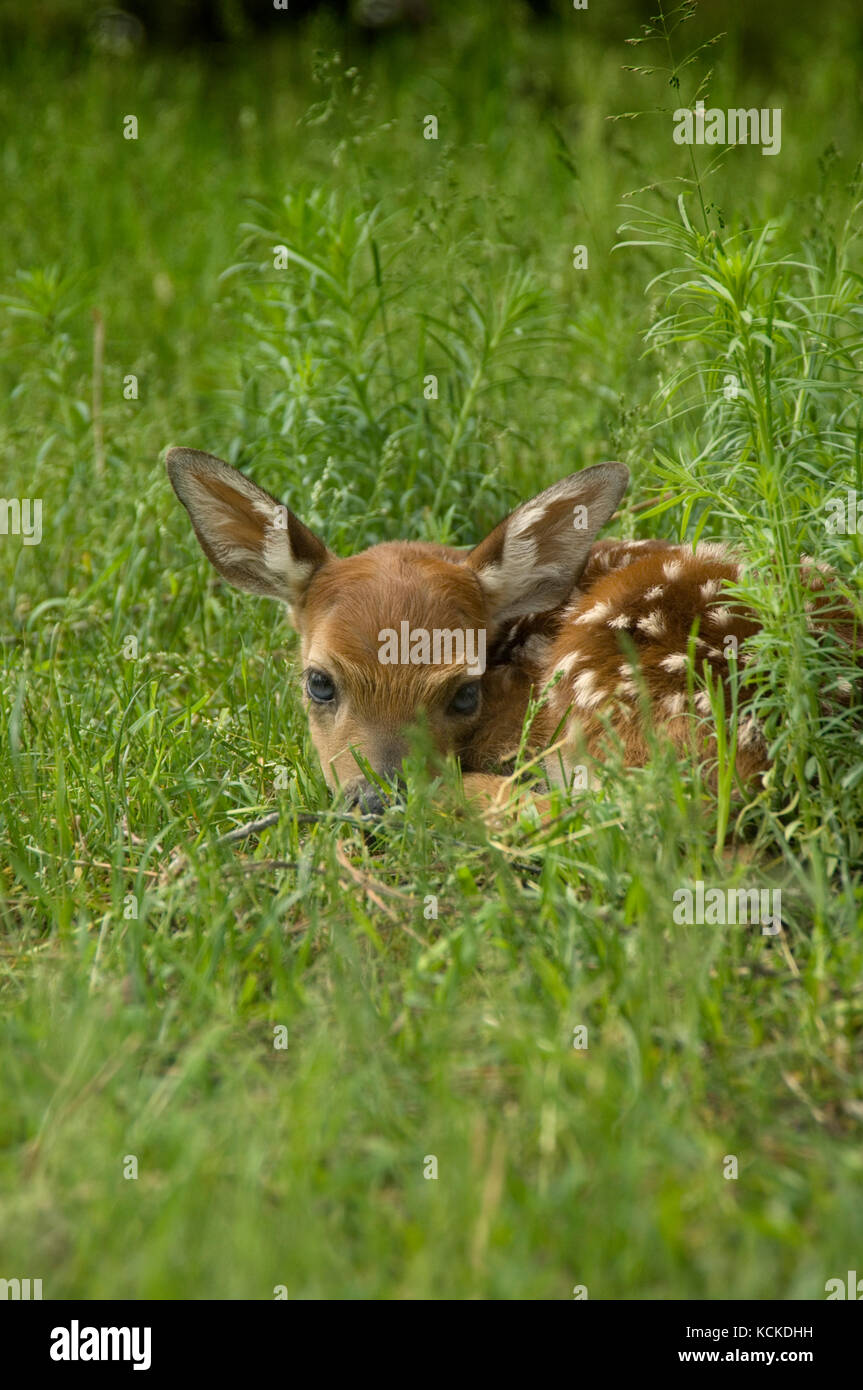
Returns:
(656, 592)
(587, 696)
(673, 705)
(711, 550)
(821, 565)
(672, 569)
(653, 625)
(566, 663)
(622, 620)
(598, 613)
(702, 702)
(749, 733)
(709, 590)
(675, 662)
(723, 617)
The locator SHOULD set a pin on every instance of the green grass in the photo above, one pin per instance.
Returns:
(144, 966)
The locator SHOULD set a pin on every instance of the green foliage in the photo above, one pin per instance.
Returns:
(430, 978)
(342, 360)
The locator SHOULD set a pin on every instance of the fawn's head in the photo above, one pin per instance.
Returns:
(400, 631)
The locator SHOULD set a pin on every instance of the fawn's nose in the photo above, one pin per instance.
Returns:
(367, 797)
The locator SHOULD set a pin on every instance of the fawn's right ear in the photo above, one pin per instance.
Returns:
(253, 540)
(533, 560)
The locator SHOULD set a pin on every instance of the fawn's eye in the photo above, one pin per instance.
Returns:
(466, 699)
(321, 687)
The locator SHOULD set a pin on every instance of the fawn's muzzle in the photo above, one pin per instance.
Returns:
(368, 798)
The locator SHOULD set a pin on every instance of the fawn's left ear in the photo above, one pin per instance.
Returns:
(533, 560)
(253, 540)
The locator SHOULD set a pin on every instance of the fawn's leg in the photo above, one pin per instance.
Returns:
(497, 796)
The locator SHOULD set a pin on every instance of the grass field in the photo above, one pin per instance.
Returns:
(157, 1139)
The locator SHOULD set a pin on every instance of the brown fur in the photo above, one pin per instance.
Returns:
(626, 631)
(347, 604)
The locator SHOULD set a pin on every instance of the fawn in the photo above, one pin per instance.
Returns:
(608, 626)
